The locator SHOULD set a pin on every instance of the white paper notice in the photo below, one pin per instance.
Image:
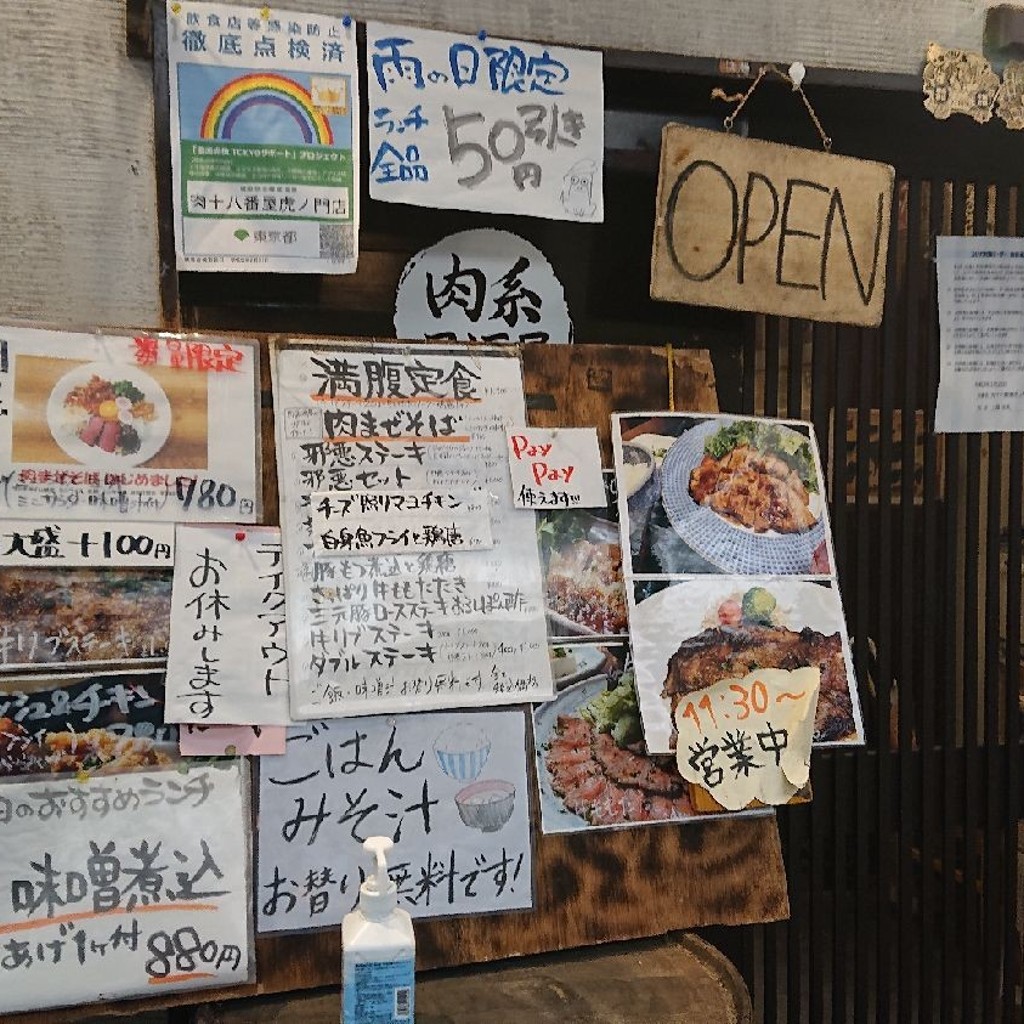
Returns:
(749, 739)
(41, 542)
(412, 630)
(450, 790)
(228, 660)
(981, 332)
(111, 428)
(559, 468)
(495, 125)
(482, 285)
(368, 522)
(133, 885)
(264, 139)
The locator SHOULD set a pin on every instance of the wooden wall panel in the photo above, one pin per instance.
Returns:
(593, 887)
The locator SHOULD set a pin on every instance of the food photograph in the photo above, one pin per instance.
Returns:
(717, 494)
(697, 632)
(100, 724)
(71, 617)
(593, 767)
(581, 560)
(109, 416)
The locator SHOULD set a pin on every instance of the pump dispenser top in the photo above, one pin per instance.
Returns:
(378, 895)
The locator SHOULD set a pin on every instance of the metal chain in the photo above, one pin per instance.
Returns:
(766, 69)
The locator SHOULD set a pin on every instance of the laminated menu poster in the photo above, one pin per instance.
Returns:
(495, 125)
(127, 428)
(228, 662)
(393, 474)
(264, 139)
(593, 769)
(101, 723)
(449, 788)
(730, 566)
(132, 886)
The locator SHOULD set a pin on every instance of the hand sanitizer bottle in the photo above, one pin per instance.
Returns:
(378, 950)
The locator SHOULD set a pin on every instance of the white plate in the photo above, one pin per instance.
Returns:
(724, 543)
(554, 816)
(662, 622)
(64, 423)
(589, 659)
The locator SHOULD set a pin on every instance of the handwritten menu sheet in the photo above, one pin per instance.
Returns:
(729, 567)
(228, 662)
(131, 886)
(398, 630)
(264, 139)
(121, 428)
(981, 304)
(496, 125)
(482, 285)
(449, 788)
(98, 722)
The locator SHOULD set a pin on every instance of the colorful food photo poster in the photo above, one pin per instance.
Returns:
(581, 561)
(127, 887)
(593, 767)
(449, 788)
(118, 428)
(264, 139)
(690, 634)
(97, 723)
(705, 494)
(730, 568)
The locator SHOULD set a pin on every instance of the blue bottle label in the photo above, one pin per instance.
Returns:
(379, 992)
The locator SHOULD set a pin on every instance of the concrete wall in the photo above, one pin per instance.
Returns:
(77, 193)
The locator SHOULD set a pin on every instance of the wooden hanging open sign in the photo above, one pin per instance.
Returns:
(753, 225)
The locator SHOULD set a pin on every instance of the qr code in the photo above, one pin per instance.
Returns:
(337, 242)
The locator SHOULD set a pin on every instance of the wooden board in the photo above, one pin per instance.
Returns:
(679, 981)
(588, 888)
(753, 225)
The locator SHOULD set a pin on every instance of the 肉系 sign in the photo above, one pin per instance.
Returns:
(754, 225)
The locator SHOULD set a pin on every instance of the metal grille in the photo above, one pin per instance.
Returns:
(904, 871)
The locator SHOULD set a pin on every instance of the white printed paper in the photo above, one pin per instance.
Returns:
(136, 885)
(371, 522)
(749, 739)
(128, 428)
(559, 468)
(264, 139)
(412, 630)
(228, 660)
(482, 285)
(46, 542)
(981, 334)
(450, 789)
(495, 125)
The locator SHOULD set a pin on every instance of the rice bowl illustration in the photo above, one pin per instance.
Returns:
(486, 805)
(462, 751)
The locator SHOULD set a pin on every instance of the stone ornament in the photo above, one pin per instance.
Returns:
(959, 82)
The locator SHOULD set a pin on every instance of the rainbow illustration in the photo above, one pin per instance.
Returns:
(263, 89)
